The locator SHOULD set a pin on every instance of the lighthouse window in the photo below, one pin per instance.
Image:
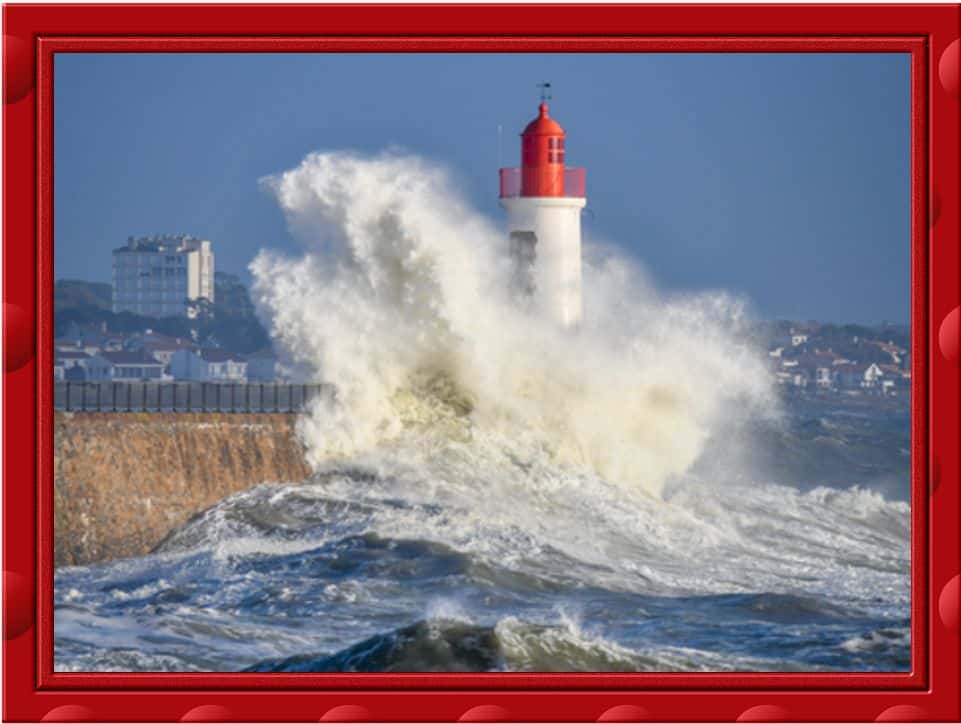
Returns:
(555, 150)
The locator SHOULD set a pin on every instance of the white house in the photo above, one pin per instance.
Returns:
(858, 376)
(873, 375)
(208, 365)
(824, 376)
(135, 366)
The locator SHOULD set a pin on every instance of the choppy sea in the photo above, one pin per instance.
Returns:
(370, 568)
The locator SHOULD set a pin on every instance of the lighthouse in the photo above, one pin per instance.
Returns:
(543, 199)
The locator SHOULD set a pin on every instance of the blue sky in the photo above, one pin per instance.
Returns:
(782, 177)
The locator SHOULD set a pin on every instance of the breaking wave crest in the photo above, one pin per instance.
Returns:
(445, 645)
(401, 300)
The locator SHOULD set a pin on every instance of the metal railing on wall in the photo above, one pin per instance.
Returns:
(185, 396)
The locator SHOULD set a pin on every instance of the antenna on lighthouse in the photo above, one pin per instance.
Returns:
(545, 91)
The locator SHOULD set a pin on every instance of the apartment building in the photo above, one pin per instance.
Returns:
(162, 276)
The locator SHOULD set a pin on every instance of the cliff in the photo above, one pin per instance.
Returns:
(122, 481)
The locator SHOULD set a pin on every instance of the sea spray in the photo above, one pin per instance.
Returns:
(402, 301)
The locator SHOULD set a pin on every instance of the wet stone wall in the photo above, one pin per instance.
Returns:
(122, 481)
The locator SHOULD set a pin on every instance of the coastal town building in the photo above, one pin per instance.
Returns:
(208, 365)
(88, 368)
(163, 276)
(67, 359)
(815, 359)
(148, 356)
(160, 346)
(71, 357)
(136, 366)
(106, 366)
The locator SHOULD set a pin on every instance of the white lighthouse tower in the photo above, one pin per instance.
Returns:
(543, 200)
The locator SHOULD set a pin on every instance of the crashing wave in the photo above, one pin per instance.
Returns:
(402, 302)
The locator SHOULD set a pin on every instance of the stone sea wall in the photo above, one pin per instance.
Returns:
(122, 481)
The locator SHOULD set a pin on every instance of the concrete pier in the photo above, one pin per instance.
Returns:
(122, 481)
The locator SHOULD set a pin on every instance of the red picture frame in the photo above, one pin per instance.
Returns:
(33, 691)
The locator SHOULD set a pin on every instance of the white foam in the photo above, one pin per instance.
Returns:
(401, 300)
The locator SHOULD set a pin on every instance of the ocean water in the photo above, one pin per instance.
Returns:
(492, 493)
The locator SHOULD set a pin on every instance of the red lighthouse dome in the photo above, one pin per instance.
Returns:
(542, 171)
(542, 157)
(543, 125)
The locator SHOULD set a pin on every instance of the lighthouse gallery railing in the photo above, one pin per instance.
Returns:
(512, 181)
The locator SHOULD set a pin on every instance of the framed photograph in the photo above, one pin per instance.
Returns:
(481, 363)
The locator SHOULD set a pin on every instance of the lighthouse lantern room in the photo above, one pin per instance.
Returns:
(543, 199)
